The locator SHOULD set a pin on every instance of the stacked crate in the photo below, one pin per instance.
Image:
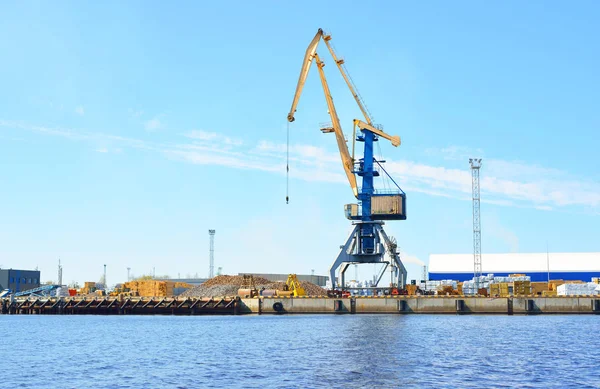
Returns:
(88, 287)
(538, 288)
(578, 289)
(521, 288)
(554, 284)
(499, 289)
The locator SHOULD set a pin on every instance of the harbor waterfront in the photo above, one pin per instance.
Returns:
(300, 351)
(306, 305)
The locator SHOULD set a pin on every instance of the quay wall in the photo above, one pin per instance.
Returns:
(423, 305)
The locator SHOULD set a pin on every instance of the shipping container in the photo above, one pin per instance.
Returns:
(386, 205)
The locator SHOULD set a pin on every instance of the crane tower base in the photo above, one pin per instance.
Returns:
(368, 243)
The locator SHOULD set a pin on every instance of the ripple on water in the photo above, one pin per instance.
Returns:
(359, 351)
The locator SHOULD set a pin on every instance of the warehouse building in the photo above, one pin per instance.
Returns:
(19, 280)
(539, 266)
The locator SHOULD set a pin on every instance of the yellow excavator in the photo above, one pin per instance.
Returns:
(292, 288)
(293, 285)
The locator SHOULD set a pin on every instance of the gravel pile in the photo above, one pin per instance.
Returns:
(228, 286)
(233, 280)
(312, 289)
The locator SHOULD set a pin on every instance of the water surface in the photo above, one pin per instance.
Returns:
(300, 351)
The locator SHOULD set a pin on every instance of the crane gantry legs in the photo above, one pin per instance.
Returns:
(379, 248)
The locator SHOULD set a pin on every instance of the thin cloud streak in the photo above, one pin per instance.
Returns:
(506, 187)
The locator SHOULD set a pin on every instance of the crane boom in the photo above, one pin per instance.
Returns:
(311, 51)
(339, 63)
(347, 160)
(395, 139)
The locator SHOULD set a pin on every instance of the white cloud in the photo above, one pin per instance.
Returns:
(505, 183)
(153, 124)
(80, 111)
(201, 135)
(233, 141)
(102, 150)
(455, 153)
(214, 138)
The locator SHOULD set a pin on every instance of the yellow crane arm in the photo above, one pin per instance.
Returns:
(347, 160)
(311, 51)
(364, 126)
(339, 63)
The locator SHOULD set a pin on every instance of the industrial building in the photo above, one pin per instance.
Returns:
(19, 280)
(539, 266)
(315, 279)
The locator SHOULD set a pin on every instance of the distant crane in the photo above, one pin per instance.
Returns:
(475, 166)
(368, 241)
(60, 269)
(211, 267)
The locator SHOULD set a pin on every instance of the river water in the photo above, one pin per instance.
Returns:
(301, 351)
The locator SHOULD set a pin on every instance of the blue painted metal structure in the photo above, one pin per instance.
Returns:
(368, 242)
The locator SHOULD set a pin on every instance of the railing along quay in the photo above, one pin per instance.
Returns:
(117, 306)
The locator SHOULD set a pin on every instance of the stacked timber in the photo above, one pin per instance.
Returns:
(521, 288)
(538, 288)
(499, 289)
(88, 287)
(150, 288)
(554, 284)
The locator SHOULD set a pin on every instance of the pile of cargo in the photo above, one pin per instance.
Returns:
(578, 289)
(469, 287)
(504, 286)
(437, 286)
(514, 284)
(153, 288)
(88, 287)
(233, 280)
(521, 288)
(312, 289)
(225, 285)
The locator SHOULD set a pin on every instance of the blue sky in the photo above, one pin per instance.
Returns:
(129, 130)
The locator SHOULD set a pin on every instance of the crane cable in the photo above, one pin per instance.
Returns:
(287, 167)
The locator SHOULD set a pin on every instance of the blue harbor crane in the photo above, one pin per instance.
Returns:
(368, 242)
